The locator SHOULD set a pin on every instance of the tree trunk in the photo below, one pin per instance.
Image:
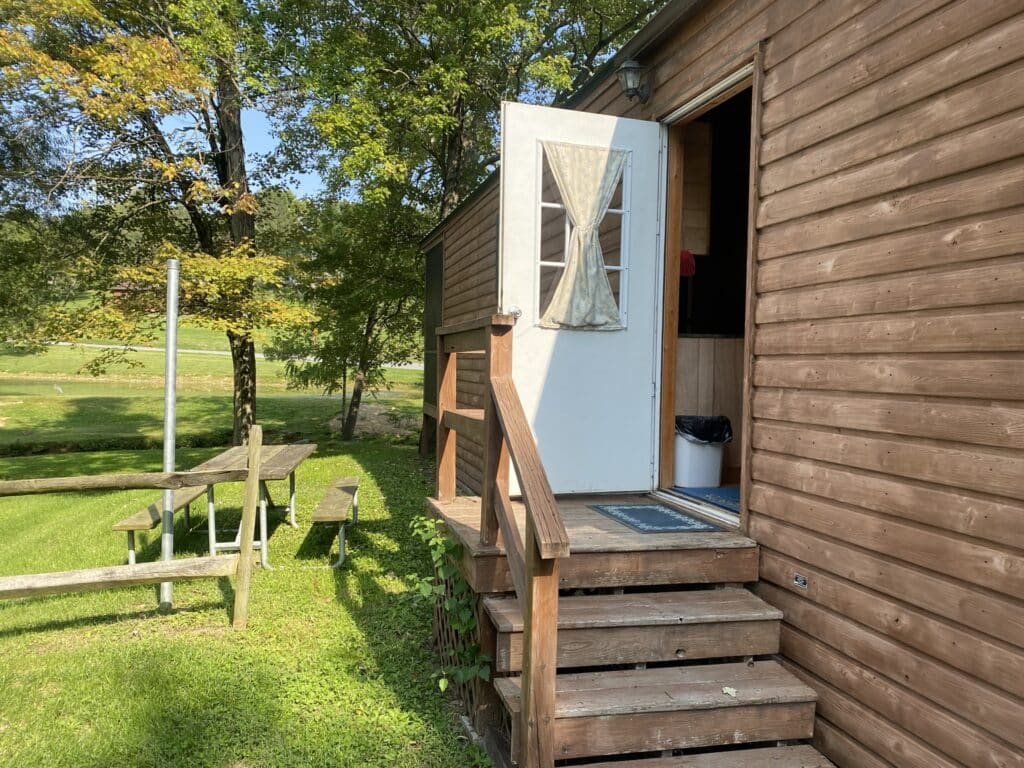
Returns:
(348, 428)
(454, 154)
(243, 361)
(231, 174)
(428, 436)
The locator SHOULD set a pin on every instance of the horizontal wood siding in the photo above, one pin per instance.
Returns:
(887, 464)
(888, 406)
(471, 291)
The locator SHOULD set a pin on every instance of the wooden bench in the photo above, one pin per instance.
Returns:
(341, 498)
(150, 517)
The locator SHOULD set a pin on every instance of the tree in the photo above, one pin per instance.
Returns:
(400, 101)
(404, 97)
(142, 103)
(362, 280)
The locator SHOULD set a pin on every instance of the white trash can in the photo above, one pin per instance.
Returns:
(698, 465)
(700, 442)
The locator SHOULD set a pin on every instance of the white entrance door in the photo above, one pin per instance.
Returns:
(590, 395)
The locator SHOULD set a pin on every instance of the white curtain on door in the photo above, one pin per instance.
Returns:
(586, 178)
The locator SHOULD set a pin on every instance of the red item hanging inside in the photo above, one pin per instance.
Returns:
(687, 264)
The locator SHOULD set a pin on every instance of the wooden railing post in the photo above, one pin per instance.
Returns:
(447, 363)
(540, 649)
(496, 464)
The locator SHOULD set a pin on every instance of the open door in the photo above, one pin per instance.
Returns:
(586, 344)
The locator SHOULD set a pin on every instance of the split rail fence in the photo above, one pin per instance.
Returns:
(110, 577)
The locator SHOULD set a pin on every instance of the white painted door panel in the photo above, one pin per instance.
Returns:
(590, 396)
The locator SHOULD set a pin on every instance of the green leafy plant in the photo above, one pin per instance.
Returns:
(465, 661)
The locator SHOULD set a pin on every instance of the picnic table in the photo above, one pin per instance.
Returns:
(277, 462)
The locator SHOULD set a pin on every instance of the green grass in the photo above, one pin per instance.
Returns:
(334, 670)
(69, 361)
(47, 404)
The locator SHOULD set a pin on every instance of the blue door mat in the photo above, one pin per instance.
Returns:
(654, 518)
(728, 496)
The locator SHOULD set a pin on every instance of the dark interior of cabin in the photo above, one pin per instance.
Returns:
(712, 284)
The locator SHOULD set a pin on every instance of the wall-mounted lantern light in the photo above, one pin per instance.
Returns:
(633, 80)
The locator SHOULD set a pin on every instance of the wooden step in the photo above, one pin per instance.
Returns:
(801, 756)
(619, 712)
(596, 630)
(603, 552)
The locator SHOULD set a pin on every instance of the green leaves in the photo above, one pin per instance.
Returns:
(451, 592)
(406, 96)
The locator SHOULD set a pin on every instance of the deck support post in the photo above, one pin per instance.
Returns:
(540, 649)
(447, 363)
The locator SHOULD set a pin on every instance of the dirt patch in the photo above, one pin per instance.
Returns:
(380, 419)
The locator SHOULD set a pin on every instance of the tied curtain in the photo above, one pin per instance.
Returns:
(586, 178)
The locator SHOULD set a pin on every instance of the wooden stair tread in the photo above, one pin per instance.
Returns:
(641, 609)
(667, 689)
(589, 531)
(800, 756)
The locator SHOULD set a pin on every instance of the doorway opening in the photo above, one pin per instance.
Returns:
(706, 305)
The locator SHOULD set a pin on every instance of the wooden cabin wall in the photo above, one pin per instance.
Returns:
(471, 291)
(888, 403)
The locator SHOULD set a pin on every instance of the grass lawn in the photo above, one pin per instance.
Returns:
(334, 670)
(46, 403)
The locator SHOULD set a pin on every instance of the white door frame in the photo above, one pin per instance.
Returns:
(639, 312)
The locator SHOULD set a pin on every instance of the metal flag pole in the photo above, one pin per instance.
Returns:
(170, 381)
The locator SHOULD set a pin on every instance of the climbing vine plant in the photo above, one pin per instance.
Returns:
(464, 661)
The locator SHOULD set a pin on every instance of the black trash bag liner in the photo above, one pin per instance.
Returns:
(704, 429)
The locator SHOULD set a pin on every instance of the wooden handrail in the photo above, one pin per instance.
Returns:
(533, 563)
(138, 480)
(541, 507)
(533, 557)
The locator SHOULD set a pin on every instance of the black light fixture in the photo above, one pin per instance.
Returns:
(632, 80)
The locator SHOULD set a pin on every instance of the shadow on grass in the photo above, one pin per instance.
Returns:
(194, 539)
(96, 620)
(215, 715)
(395, 626)
(110, 422)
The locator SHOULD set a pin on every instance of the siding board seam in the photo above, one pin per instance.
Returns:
(880, 526)
(893, 200)
(777, 597)
(1004, 603)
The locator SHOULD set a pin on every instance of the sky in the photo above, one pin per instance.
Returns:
(259, 139)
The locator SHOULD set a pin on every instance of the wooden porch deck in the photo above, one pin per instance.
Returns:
(603, 552)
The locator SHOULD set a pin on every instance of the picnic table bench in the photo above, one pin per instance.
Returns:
(150, 517)
(341, 498)
(277, 462)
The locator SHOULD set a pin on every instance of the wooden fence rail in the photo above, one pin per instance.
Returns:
(136, 481)
(239, 566)
(532, 555)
